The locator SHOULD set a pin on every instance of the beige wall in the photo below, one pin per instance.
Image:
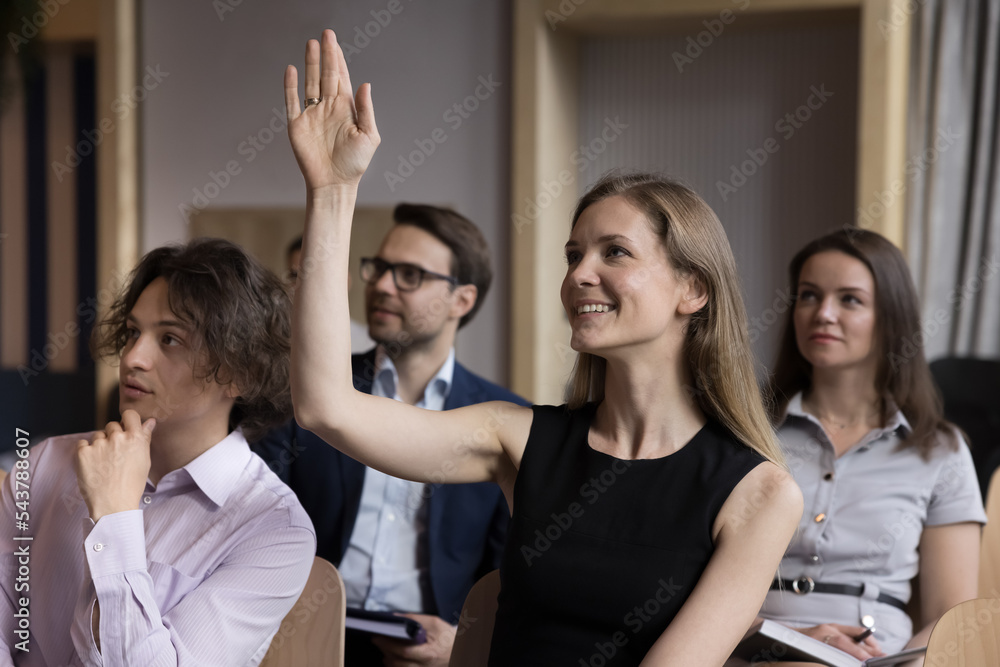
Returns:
(549, 36)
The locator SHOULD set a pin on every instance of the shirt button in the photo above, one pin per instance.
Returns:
(820, 518)
(814, 558)
(98, 546)
(828, 476)
(147, 500)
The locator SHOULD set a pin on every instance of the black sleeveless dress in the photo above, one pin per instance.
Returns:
(602, 552)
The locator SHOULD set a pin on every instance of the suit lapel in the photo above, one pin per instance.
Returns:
(464, 391)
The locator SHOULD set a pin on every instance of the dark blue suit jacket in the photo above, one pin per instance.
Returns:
(467, 523)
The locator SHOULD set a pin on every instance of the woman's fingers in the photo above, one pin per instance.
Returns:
(329, 83)
(292, 108)
(366, 112)
(343, 74)
(312, 69)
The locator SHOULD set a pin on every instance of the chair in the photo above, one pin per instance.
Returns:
(971, 392)
(312, 633)
(475, 626)
(989, 552)
(968, 635)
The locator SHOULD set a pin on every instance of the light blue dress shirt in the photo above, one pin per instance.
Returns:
(385, 566)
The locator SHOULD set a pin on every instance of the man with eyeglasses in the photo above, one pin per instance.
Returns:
(402, 546)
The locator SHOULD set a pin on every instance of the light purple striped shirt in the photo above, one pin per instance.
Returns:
(202, 573)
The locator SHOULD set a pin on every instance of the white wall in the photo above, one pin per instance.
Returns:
(221, 74)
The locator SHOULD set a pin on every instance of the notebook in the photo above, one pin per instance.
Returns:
(770, 641)
(385, 623)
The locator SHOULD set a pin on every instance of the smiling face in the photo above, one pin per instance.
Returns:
(427, 316)
(835, 312)
(620, 289)
(159, 370)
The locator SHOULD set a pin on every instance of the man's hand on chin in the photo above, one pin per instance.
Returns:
(112, 467)
(435, 652)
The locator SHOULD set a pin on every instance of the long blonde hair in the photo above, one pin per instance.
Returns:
(716, 343)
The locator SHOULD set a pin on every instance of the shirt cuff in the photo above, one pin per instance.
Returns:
(116, 544)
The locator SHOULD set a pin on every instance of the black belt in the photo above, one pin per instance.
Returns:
(805, 585)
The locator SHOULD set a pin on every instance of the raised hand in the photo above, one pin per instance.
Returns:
(335, 139)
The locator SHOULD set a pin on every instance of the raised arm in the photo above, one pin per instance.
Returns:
(333, 142)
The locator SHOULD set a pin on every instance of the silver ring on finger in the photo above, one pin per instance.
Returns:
(826, 640)
(311, 101)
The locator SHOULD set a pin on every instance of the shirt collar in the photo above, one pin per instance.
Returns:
(387, 375)
(897, 420)
(217, 471)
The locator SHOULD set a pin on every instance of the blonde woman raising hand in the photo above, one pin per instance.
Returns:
(651, 511)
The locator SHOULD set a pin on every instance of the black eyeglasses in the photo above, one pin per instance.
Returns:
(407, 277)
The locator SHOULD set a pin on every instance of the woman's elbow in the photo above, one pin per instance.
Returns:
(309, 413)
(327, 413)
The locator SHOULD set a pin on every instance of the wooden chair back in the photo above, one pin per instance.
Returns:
(968, 635)
(989, 554)
(312, 633)
(475, 626)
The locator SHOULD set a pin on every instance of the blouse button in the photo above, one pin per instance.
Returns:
(147, 500)
(814, 558)
(820, 517)
(98, 546)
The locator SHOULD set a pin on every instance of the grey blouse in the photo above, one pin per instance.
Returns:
(863, 517)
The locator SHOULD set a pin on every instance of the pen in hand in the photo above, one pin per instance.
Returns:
(869, 631)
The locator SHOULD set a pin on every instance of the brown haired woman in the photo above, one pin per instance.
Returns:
(649, 517)
(889, 486)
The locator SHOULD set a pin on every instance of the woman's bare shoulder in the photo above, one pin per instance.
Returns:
(768, 494)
